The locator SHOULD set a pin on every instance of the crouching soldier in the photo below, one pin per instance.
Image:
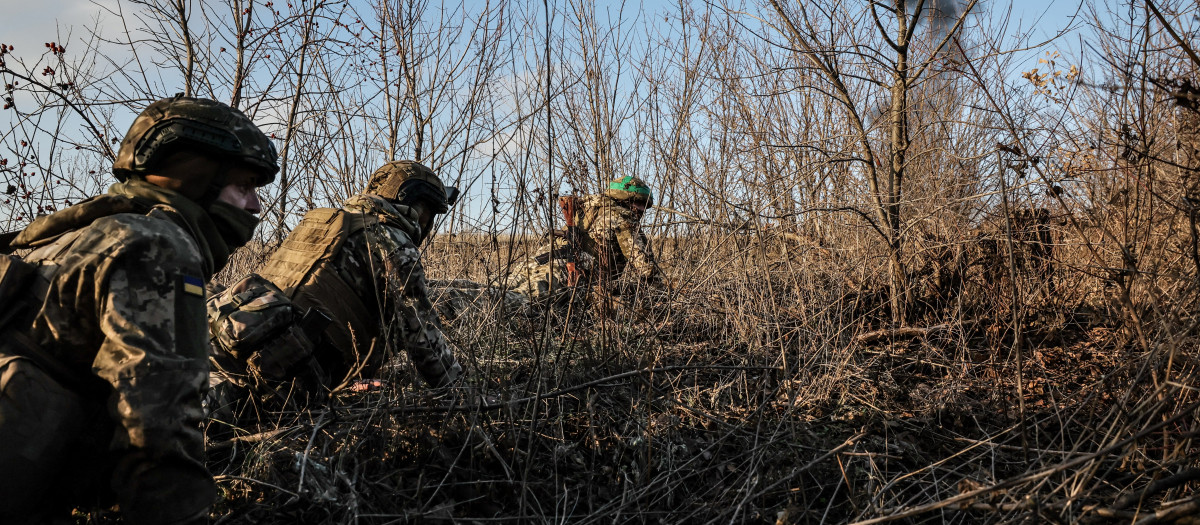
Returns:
(103, 347)
(360, 267)
(601, 248)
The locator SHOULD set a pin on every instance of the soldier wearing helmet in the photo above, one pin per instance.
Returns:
(103, 350)
(361, 267)
(602, 244)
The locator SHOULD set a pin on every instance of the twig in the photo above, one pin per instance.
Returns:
(852, 440)
(1171, 31)
(568, 390)
(224, 477)
(967, 496)
(1188, 508)
(304, 457)
(107, 151)
(904, 331)
(252, 438)
(1168, 482)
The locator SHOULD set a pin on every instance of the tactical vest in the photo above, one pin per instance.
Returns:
(303, 267)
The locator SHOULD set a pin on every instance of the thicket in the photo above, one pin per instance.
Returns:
(923, 267)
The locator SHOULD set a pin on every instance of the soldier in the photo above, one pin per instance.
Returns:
(103, 345)
(602, 243)
(360, 266)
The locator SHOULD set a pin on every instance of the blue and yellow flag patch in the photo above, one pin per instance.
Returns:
(193, 285)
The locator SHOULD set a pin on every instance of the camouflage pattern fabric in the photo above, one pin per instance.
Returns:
(547, 281)
(609, 245)
(381, 265)
(410, 321)
(204, 122)
(259, 349)
(122, 328)
(461, 299)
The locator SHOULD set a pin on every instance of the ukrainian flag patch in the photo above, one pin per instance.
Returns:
(193, 285)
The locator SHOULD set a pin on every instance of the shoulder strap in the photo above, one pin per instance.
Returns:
(318, 237)
(46, 228)
(303, 268)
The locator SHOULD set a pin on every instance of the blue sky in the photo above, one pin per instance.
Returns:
(38, 22)
(44, 21)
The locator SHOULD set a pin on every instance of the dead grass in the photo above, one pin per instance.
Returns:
(749, 394)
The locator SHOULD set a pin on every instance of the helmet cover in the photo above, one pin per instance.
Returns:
(178, 122)
(404, 180)
(630, 188)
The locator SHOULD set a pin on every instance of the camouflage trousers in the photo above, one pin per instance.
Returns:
(549, 282)
(461, 300)
(55, 456)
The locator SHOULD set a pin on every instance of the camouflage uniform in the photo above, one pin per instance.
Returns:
(372, 285)
(103, 354)
(608, 244)
(259, 346)
(113, 402)
(469, 303)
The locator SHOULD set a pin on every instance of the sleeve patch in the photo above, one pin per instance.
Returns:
(193, 285)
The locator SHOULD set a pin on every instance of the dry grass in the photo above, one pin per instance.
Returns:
(760, 390)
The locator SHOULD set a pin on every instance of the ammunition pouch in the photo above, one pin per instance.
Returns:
(259, 336)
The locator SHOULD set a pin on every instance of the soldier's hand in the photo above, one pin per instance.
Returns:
(367, 385)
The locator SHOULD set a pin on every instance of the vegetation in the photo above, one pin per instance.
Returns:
(916, 275)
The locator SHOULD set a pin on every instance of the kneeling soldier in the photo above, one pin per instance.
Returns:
(360, 266)
(103, 347)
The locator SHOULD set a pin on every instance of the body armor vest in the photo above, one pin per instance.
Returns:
(303, 267)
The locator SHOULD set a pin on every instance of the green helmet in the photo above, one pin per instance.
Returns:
(204, 124)
(404, 180)
(630, 188)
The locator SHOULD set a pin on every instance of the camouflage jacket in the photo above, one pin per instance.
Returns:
(410, 321)
(381, 265)
(122, 320)
(611, 234)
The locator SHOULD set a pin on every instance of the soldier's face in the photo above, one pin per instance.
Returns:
(186, 172)
(241, 189)
(638, 208)
(426, 219)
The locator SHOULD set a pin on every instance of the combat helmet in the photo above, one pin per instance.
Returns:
(630, 188)
(403, 180)
(208, 125)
